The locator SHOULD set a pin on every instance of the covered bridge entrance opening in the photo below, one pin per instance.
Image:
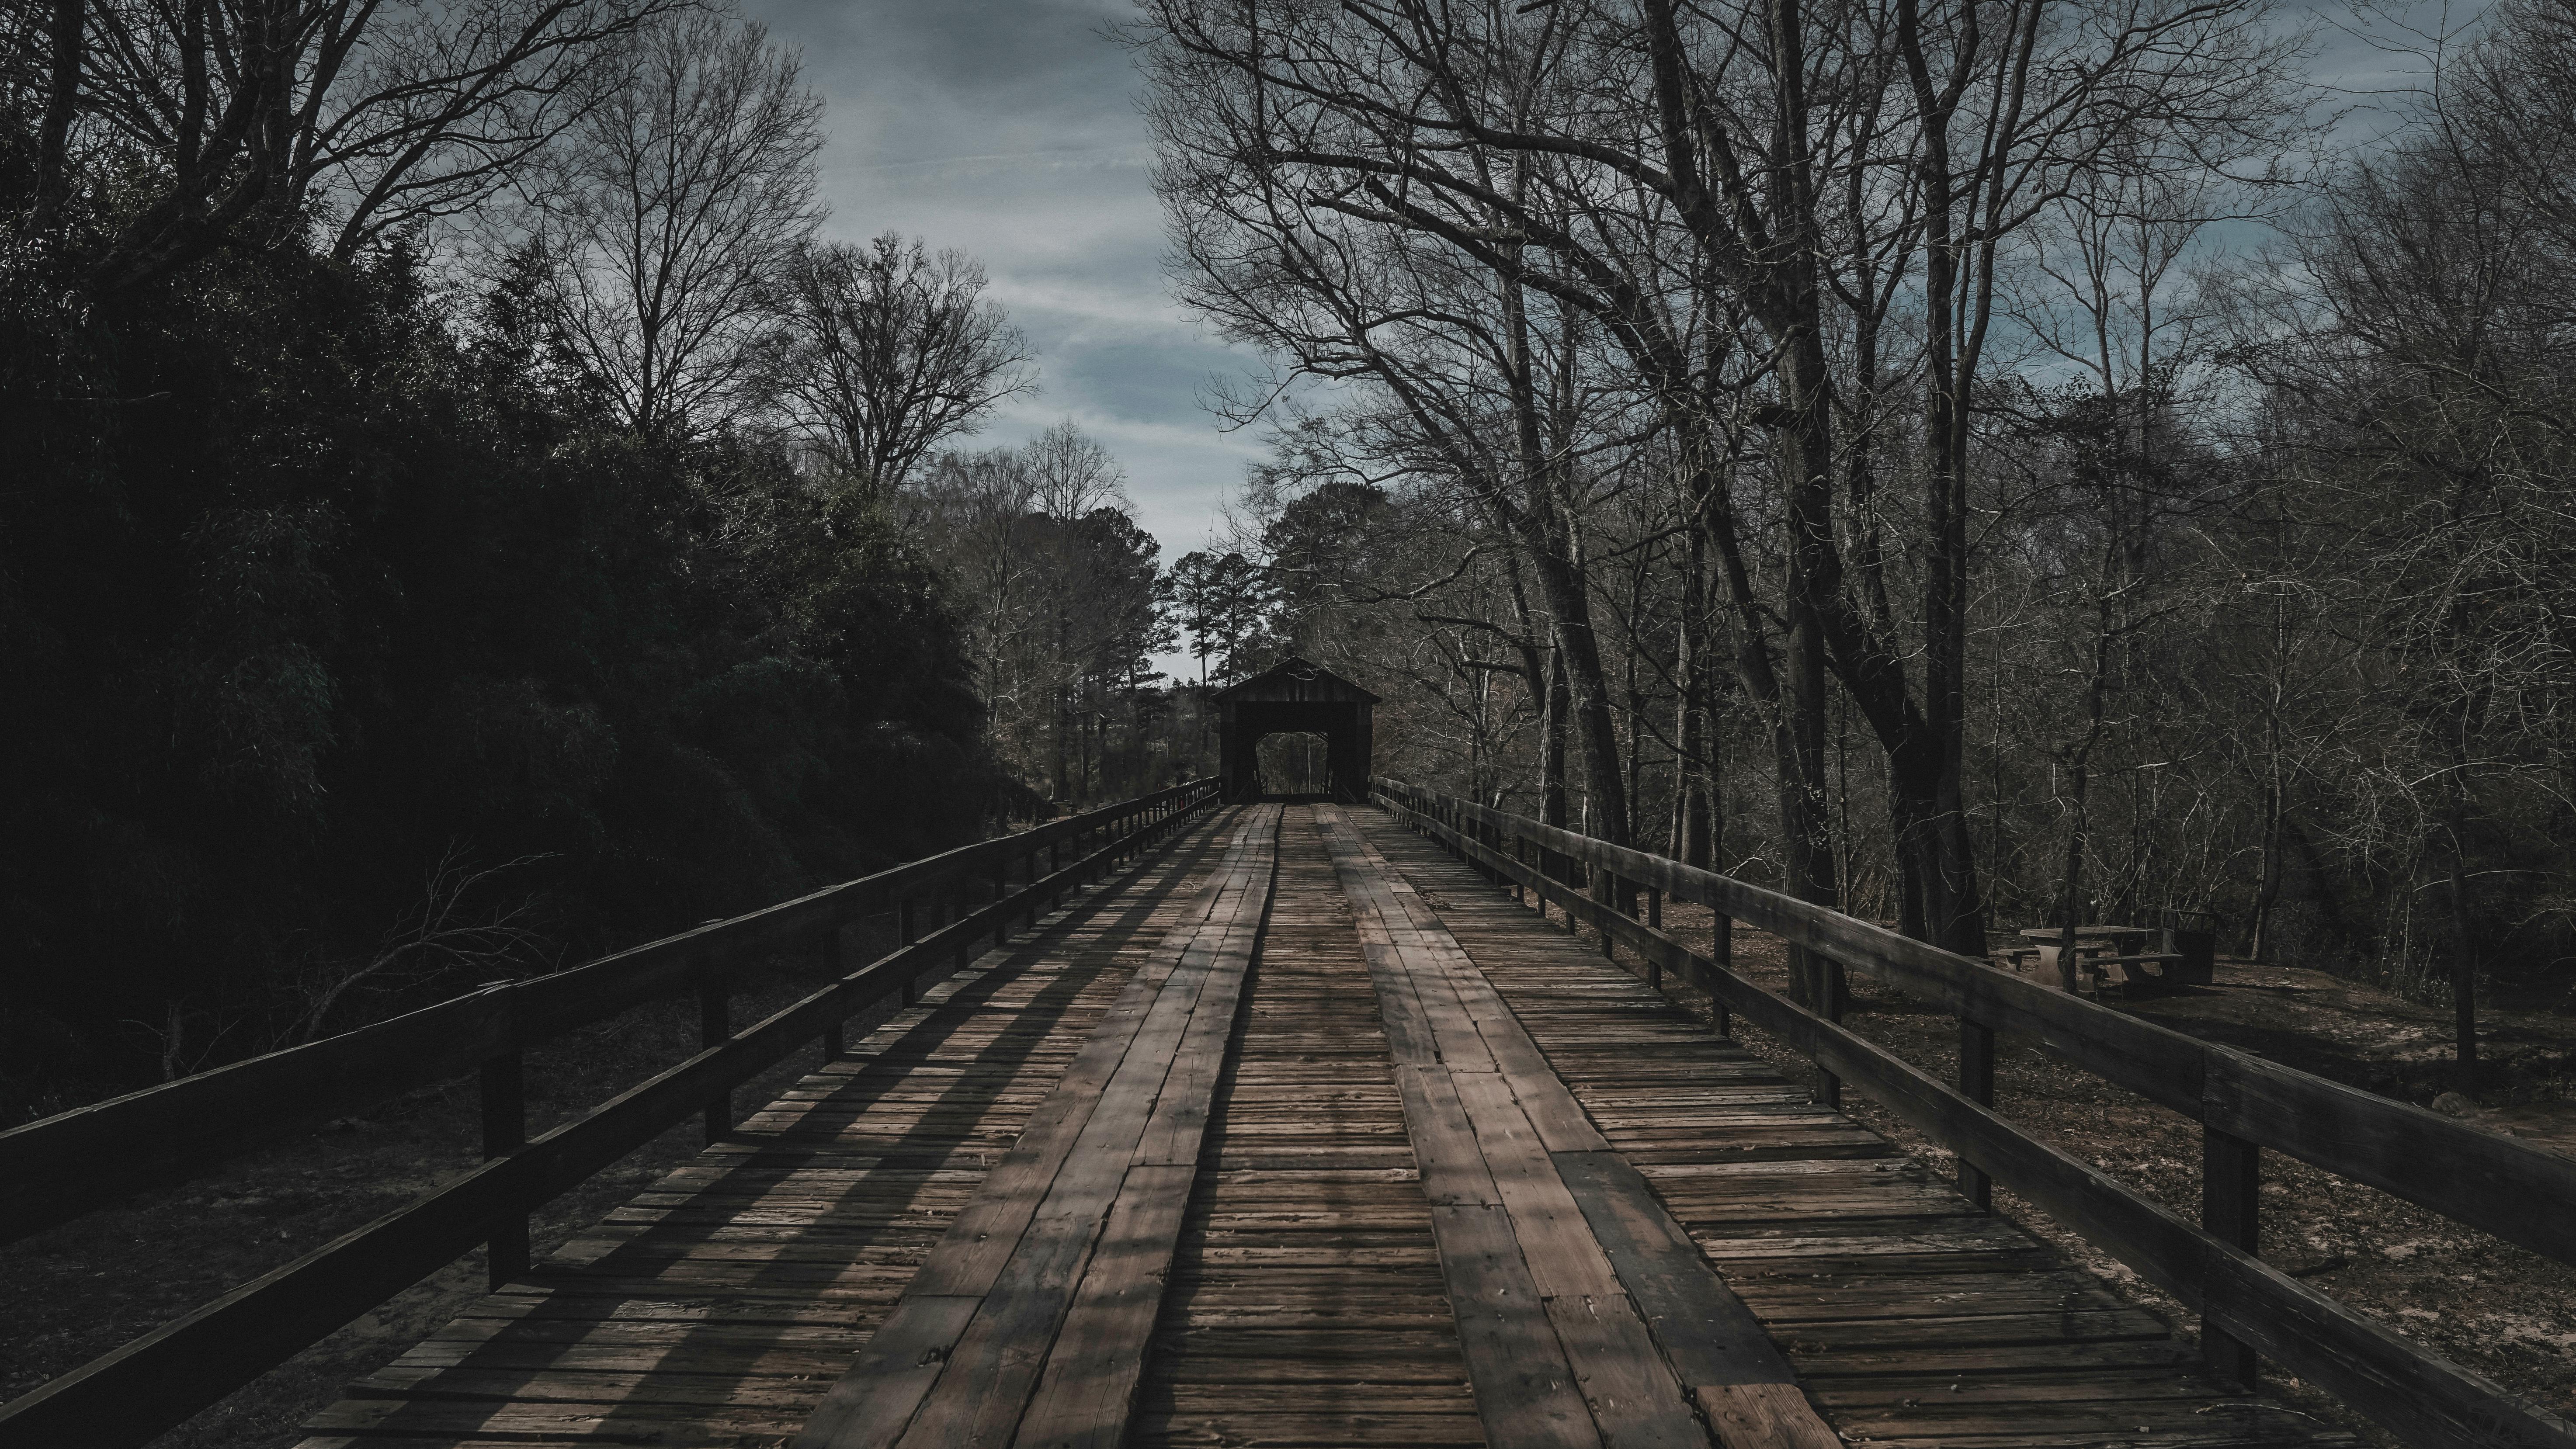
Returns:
(1294, 697)
(1294, 766)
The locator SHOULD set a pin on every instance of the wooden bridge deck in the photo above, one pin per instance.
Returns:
(1304, 1135)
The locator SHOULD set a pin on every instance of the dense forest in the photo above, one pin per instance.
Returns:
(463, 516)
(1979, 465)
(1982, 465)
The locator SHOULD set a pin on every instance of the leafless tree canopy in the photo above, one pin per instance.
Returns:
(674, 217)
(242, 116)
(893, 351)
(1858, 443)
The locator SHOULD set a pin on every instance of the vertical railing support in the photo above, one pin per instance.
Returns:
(1827, 993)
(1001, 888)
(502, 1085)
(715, 1023)
(907, 926)
(1721, 949)
(2231, 1197)
(1654, 922)
(843, 953)
(1977, 1084)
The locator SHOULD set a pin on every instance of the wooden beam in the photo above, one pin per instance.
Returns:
(133, 1394)
(2497, 1184)
(2425, 1399)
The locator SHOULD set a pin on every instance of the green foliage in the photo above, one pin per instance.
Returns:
(308, 594)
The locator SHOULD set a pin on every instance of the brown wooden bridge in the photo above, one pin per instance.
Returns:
(1294, 1124)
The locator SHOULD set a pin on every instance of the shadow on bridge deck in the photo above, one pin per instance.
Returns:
(1433, 1113)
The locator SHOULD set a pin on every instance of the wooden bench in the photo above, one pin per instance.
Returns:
(2111, 971)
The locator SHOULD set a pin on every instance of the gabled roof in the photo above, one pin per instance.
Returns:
(1299, 680)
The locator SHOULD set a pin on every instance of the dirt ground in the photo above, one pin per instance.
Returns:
(2486, 1305)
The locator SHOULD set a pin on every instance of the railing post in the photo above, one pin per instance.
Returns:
(1977, 1084)
(1721, 951)
(838, 944)
(715, 1023)
(2231, 1196)
(502, 1085)
(907, 925)
(1825, 983)
(1001, 888)
(1655, 907)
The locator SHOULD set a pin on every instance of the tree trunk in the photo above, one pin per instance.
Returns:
(1552, 732)
(2267, 888)
(62, 99)
(2464, 964)
(1692, 786)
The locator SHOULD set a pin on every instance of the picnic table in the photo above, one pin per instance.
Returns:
(2103, 957)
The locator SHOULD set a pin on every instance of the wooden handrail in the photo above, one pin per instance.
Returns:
(2496, 1184)
(59, 1167)
(137, 1392)
(2420, 1396)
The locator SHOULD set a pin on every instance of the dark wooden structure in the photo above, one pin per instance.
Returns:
(1262, 1125)
(1294, 696)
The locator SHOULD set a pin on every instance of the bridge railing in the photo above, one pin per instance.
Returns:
(68, 1164)
(2481, 1179)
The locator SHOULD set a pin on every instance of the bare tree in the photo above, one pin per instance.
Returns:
(893, 351)
(246, 114)
(1056, 584)
(675, 220)
(453, 928)
(426, 112)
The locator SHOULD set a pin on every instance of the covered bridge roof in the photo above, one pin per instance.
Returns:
(1297, 680)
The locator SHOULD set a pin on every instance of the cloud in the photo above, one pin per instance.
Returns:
(1061, 158)
(1009, 128)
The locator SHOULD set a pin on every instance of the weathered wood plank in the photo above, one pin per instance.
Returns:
(1025, 1244)
(1540, 1309)
(757, 1315)
(1870, 1274)
(1306, 1305)
(2497, 1184)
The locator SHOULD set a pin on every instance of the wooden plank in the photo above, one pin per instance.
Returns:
(1564, 1258)
(1024, 1244)
(764, 1316)
(1306, 1305)
(1540, 1310)
(2425, 1399)
(900, 1362)
(1527, 1393)
(1624, 1382)
(1707, 1332)
(1087, 1392)
(2497, 1184)
(1764, 1413)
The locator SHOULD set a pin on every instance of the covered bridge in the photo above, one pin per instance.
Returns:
(1294, 696)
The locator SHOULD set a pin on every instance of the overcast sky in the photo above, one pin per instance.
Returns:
(1009, 128)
